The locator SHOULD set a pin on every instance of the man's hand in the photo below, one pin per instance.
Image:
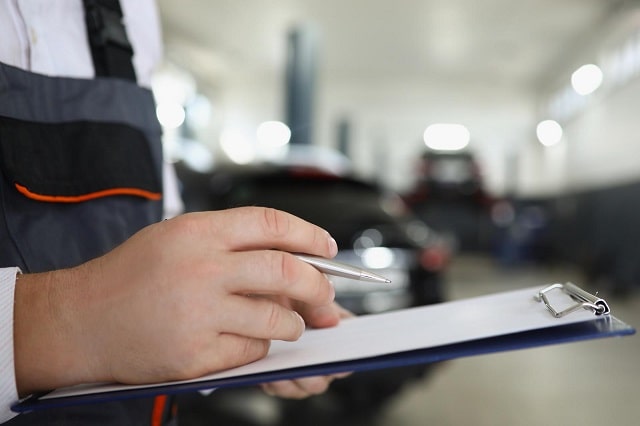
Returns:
(175, 301)
(316, 317)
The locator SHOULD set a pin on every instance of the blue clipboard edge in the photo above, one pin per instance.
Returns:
(601, 327)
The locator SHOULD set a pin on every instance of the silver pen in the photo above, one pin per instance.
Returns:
(331, 267)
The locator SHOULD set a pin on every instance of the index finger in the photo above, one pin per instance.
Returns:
(255, 228)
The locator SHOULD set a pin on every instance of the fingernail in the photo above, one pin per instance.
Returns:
(304, 325)
(333, 246)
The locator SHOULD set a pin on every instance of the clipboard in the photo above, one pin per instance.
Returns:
(513, 320)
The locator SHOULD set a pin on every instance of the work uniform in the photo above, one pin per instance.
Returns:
(80, 164)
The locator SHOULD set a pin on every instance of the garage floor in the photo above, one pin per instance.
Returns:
(586, 383)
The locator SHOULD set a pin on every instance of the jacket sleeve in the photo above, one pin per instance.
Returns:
(8, 390)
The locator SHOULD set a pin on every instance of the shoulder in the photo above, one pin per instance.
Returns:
(49, 37)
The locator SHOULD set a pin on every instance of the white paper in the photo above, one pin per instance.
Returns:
(382, 334)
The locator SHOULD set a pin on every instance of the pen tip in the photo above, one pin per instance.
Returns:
(369, 276)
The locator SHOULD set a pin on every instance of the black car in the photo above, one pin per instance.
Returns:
(374, 229)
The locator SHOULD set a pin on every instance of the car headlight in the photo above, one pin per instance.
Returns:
(377, 257)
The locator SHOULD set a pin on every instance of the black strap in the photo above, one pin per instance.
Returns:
(110, 46)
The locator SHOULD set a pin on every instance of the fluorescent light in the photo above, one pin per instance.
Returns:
(273, 134)
(447, 137)
(549, 132)
(171, 115)
(586, 79)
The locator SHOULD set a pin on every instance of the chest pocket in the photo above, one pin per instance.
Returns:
(71, 191)
(80, 167)
(77, 161)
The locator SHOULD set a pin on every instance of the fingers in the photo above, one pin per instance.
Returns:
(226, 351)
(261, 318)
(300, 388)
(252, 228)
(272, 272)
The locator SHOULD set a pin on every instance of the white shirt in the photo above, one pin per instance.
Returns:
(49, 37)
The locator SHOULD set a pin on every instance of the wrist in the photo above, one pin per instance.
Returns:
(48, 349)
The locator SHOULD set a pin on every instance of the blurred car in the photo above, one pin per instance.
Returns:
(449, 194)
(449, 175)
(374, 229)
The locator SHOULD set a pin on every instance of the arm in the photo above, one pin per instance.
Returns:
(175, 301)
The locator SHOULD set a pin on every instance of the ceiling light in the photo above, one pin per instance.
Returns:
(171, 115)
(549, 132)
(586, 79)
(273, 134)
(447, 137)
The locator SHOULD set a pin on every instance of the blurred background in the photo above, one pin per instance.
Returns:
(463, 147)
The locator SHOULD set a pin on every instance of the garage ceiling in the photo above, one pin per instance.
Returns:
(512, 43)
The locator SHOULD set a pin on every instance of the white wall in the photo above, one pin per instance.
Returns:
(601, 145)
(387, 121)
(388, 117)
(604, 142)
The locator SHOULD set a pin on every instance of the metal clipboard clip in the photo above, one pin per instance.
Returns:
(584, 300)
